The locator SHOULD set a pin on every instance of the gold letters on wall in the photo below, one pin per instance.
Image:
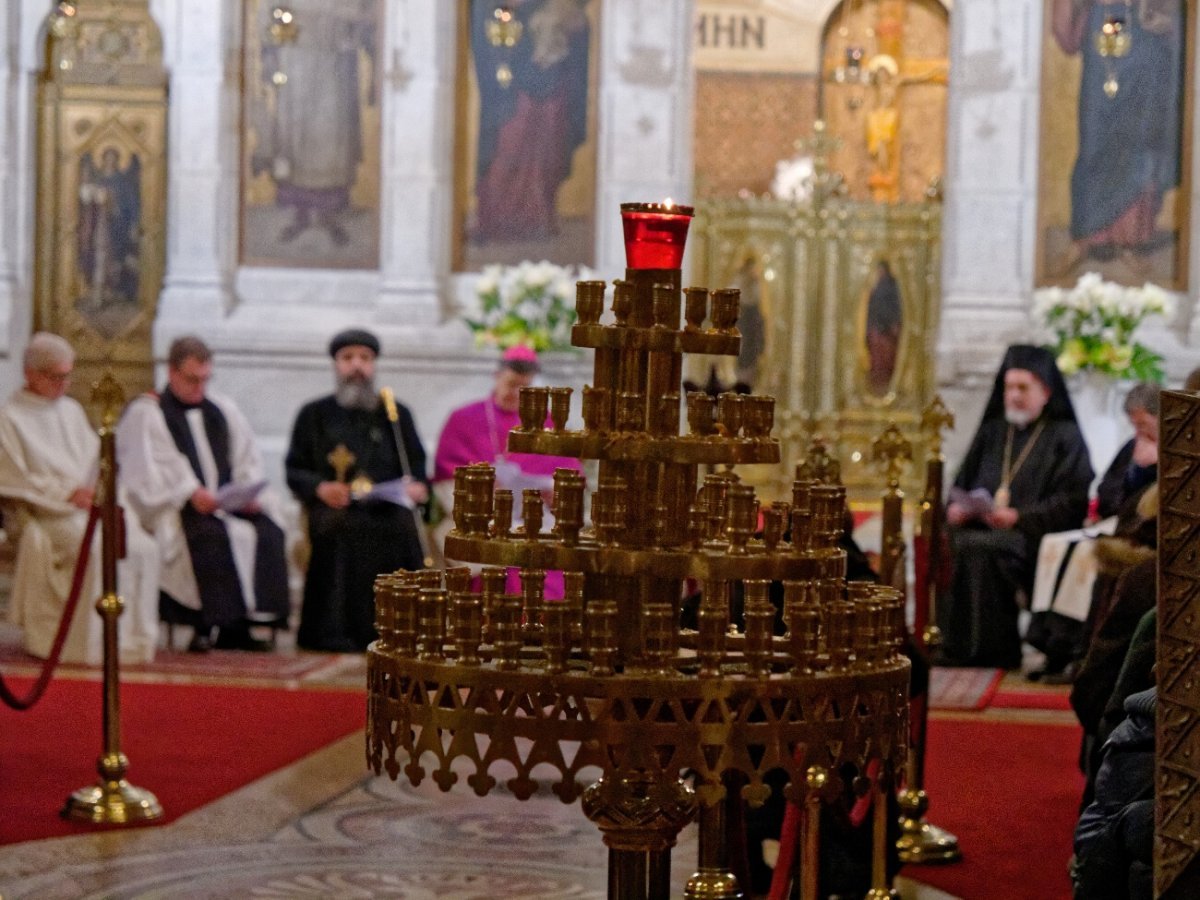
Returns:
(101, 198)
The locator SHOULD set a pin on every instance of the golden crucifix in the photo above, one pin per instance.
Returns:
(342, 460)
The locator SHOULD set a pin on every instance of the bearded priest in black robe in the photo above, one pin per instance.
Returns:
(1026, 473)
(361, 479)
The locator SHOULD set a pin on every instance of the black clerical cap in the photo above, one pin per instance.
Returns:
(354, 337)
(1041, 362)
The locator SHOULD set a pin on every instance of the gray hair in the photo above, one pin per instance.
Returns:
(45, 350)
(1143, 395)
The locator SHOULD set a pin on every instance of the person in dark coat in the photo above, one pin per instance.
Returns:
(1114, 838)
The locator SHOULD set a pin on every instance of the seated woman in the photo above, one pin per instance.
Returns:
(1066, 579)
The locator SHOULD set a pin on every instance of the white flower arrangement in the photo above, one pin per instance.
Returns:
(793, 179)
(529, 303)
(1093, 325)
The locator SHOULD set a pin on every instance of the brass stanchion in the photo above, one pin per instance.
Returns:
(810, 861)
(113, 801)
(892, 451)
(713, 880)
(921, 842)
(880, 889)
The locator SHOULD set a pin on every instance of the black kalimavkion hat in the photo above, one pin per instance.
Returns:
(354, 337)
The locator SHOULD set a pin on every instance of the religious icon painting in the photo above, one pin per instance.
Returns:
(1113, 187)
(883, 330)
(311, 134)
(526, 157)
(108, 238)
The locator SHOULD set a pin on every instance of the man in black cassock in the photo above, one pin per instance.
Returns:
(1026, 473)
(342, 447)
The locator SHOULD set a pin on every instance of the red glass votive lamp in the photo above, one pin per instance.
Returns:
(655, 234)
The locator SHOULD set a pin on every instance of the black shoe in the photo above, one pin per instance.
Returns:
(200, 643)
(1066, 676)
(1051, 668)
(238, 637)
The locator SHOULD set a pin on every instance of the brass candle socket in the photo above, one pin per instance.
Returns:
(730, 410)
(665, 419)
(531, 408)
(743, 517)
(569, 488)
(473, 486)
(597, 409)
(775, 523)
(726, 307)
(502, 524)
(701, 409)
(622, 305)
(532, 510)
(631, 411)
(665, 306)
(589, 301)
(695, 308)
(758, 416)
(560, 407)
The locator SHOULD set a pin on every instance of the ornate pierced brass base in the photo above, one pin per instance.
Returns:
(919, 841)
(114, 801)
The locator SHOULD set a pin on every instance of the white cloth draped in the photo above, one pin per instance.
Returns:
(1068, 591)
(47, 451)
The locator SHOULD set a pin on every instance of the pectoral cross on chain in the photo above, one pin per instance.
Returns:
(341, 458)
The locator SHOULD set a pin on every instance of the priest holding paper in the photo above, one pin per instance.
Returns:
(357, 466)
(194, 476)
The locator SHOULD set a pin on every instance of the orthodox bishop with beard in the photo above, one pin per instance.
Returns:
(360, 476)
(1025, 474)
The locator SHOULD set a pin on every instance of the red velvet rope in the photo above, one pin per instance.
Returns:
(60, 637)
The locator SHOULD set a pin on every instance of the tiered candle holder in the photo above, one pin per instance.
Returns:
(605, 680)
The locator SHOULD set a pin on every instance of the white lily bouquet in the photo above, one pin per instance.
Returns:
(529, 303)
(1093, 324)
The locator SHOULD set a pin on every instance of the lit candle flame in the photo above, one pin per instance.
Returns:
(668, 203)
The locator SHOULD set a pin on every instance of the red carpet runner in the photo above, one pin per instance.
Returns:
(1010, 792)
(187, 744)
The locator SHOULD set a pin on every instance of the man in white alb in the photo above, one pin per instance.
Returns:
(49, 457)
(194, 477)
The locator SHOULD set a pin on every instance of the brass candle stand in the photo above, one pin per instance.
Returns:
(605, 680)
(112, 800)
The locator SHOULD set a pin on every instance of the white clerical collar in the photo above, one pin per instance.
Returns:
(28, 396)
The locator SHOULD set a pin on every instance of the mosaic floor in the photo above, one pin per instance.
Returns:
(322, 829)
